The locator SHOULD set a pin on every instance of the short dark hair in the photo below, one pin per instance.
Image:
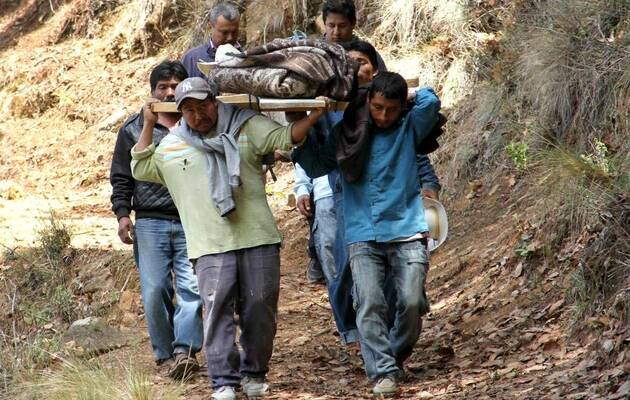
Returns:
(343, 7)
(362, 47)
(391, 85)
(166, 70)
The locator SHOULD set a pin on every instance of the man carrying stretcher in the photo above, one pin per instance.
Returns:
(211, 165)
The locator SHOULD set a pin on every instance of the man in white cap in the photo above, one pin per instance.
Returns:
(211, 165)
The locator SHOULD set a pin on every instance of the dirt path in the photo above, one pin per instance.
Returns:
(491, 334)
(497, 327)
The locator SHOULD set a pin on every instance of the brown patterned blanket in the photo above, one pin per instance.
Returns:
(290, 69)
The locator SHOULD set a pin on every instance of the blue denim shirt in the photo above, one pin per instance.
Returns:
(384, 204)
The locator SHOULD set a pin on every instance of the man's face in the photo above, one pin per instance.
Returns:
(224, 31)
(366, 69)
(385, 112)
(165, 89)
(338, 28)
(200, 115)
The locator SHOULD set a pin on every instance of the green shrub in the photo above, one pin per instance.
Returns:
(517, 151)
(53, 239)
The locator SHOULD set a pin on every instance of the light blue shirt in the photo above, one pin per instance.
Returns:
(305, 185)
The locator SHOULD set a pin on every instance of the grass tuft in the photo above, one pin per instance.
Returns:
(53, 239)
(80, 379)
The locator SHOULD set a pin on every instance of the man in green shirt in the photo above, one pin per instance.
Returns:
(211, 165)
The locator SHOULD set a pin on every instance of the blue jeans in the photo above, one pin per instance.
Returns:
(385, 344)
(160, 253)
(340, 289)
(324, 233)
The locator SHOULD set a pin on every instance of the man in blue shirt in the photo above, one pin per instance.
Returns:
(384, 218)
(224, 20)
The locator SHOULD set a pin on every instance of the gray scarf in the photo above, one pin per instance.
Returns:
(221, 153)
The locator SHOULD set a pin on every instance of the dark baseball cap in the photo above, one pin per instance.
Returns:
(193, 88)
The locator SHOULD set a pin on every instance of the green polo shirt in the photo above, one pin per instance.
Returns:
(183, 170)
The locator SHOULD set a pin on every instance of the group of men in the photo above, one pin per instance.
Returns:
(205, 238)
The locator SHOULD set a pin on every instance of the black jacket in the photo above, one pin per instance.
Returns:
(148, 200)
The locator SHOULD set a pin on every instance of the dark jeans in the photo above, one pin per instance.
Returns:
(246, 282)
(312, 246)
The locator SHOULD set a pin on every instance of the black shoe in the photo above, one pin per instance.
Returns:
(314, 273)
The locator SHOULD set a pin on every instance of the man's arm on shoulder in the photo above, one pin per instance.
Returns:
(266, 135)
(318, 159)
(120, 174)
(424, 113)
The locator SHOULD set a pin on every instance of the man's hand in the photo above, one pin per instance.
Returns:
(281, 155)
(304, 205)
(125, 230)
(430, 194)
(149, 116)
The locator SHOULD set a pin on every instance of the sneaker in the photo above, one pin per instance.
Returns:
(254, 388)
(224, 393)
(183, 367)
(385, 386)
(314, 273)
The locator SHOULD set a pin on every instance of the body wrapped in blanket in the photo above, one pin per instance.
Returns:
(289, 69)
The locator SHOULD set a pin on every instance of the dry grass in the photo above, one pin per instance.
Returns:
(81, 379)
(84, 19)
(43, 293)
(587, 197)
(573, 68)
(479, 130)
(559, 88)
(562, 73)
(194, 20)
(407, 24)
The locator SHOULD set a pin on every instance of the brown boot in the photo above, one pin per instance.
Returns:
(184, 367)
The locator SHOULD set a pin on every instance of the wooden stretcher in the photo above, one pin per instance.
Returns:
(278, 105)
(263, 104)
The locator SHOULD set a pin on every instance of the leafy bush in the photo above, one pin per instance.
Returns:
(517, 151)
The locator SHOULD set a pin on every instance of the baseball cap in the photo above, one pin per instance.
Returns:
(193, 88)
